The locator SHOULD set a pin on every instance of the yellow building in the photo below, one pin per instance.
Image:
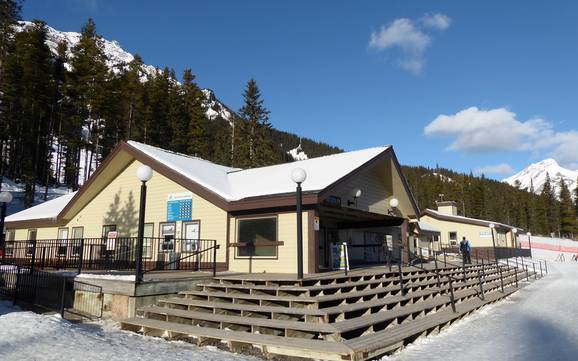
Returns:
(358, 197)
(453, 228)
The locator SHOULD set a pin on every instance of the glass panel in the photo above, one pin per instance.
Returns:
(255, 231)
(31, 238)
(63, 240)
(191, 237)
(77, 235)
(167, 237)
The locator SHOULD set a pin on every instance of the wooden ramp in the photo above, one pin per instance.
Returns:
(358, 316)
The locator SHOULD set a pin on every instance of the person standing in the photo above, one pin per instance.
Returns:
(465, 249)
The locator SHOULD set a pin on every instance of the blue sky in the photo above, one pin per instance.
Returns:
(467, 85)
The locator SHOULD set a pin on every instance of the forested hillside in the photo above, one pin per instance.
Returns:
(480, 197)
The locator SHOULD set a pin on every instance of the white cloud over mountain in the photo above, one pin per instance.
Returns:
(410, 37)
(477, 130)
(502, 168)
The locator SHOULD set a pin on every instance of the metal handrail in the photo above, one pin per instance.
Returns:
(214, 248)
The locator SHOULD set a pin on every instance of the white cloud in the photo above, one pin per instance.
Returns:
(410, 37)
(436, 21)
(477, 130)
(503, 168)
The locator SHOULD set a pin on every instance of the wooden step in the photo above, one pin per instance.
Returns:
(297, 347)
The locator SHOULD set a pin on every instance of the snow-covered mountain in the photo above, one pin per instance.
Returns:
(536, 173)
(297, 153)
(118, 59)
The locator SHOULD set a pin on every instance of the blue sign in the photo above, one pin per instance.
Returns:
(179, 208)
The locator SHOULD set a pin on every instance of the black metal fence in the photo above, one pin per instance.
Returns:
(46, 290)
(117, 254)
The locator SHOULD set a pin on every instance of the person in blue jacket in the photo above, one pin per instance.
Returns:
(465, 249)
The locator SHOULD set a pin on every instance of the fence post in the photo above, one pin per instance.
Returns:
(546, 265)
(516, 262)
(527, 275)
(214, 258)
(43, 261)
(17, 285)
(90, 252)
(81, 256)
(516, 276)
(437, 271)
(501, 278)
(63, 297)
(535, 274)
(541, 274)
(464, 269)
(452, 300)
(33, 260)
(445, 262)
(401, 288)
(481, 287)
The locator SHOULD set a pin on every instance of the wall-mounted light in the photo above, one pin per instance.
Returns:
(355, 193)
(393, 204)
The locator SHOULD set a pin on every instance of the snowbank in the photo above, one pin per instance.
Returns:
(106, 277)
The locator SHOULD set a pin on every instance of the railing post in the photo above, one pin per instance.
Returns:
(501, 278)
(445, 261)
(546, 265)
(535, 274)
(33, 260)
(81, 256)
(63, 297)
(481, 287)
(17, 285)
(516, 262)
(483, 266)
(401, 288)
(452, 299)
(464, 270)
(527, 275)
(43, 260)
(516, 276)
(214, 258)
(437, 271)
(541, 274)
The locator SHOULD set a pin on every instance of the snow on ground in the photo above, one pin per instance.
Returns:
(106, 277)
(540, 322)
(28, 336)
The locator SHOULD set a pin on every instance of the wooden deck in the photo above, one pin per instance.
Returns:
(330, 316)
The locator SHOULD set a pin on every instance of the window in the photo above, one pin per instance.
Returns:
(108, 228)
(62, 241)
(148, 234)
(253, 232)
(191, 235)
(10, 237)
(167, 234)
(453, 238)
(77, 235)
(31, 240)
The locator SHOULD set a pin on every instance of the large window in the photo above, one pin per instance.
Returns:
(257, 237)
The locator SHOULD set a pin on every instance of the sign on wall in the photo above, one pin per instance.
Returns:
(180, 207)
(485, 234)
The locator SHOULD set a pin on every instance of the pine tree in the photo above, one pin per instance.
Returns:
(255, 129)
(196, 121)
(567, 213)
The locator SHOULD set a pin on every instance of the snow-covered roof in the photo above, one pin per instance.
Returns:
(427, 227)
(235, 184)
(46, 210)
(463, 219)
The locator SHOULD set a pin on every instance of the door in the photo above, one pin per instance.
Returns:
(192, 234)
(327, 237)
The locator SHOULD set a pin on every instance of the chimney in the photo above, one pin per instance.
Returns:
(448, 207)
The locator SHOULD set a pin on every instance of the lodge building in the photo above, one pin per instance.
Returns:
(359, 197)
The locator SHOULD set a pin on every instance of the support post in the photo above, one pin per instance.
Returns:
(33, 258)
(481, 286)
(401, 288)
(501, 279)
(452, 299)
(2, 234)
(81, 256)
(299, 234)
(541, 274)
(214, 258)
(140, 235)
(494, 244)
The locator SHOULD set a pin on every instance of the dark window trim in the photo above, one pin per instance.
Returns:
(161, 238)
(184, 223)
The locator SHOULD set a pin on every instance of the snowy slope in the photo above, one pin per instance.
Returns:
(118, 59)
(536, 173)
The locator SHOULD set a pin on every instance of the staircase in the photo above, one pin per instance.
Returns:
(359, 316)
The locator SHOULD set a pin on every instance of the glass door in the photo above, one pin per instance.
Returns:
(192, 234)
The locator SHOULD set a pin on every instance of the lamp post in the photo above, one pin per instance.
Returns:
(144, 174)
(492, 226)
(298, 175)
(5, 198)
(530, 242)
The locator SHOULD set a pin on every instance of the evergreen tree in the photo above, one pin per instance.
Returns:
(567, 213)
(255, 129)
(196, 121)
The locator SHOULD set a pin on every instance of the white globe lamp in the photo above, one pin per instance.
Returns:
(144, 173)
(298, 175)
(5, 197)
(393, 203)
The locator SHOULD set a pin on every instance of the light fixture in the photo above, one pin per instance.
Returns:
(492, 225)
(298, 175)
(5, 197)
(355, 193)
(144, 173)
(528, 234)
(515, 230)
(393, 203)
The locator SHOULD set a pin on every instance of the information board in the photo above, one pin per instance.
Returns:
(179, 207)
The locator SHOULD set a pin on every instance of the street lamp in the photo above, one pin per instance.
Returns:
(492, 226)
(298, 175)
(5, 198)
(144, 173)
(530, 242)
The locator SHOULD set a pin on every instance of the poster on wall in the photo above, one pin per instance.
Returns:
(179, 207)
(111, 240)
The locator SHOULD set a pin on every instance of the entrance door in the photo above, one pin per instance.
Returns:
(192, 234)
(327, 237)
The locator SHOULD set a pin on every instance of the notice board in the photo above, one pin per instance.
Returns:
(180, 207)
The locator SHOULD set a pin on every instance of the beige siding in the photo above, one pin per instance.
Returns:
(286, 261)
(472, 232)
(118, 203)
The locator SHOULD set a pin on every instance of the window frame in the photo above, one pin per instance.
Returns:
(239, 244)
(9, 243)
(185, 241)
(76, 241)
(59, 240)
(30, 245)
(162, 238)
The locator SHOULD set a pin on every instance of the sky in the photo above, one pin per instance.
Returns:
(483, 86)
